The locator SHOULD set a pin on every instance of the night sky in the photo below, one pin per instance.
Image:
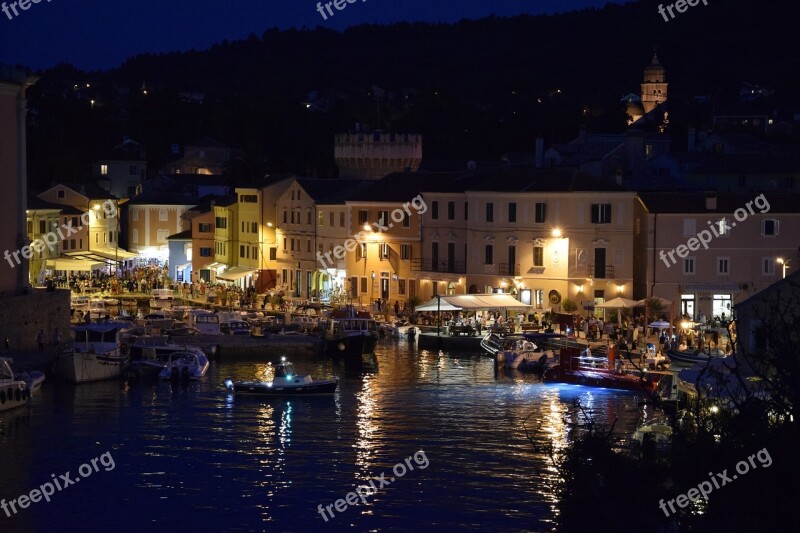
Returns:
(100, 34)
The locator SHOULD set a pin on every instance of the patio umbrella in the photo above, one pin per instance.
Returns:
(659, 324)
(619, 303)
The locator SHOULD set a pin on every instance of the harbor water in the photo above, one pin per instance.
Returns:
(191, 457)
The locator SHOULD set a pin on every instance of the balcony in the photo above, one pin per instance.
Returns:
(428, 265)
(600, 271)
(507, 269)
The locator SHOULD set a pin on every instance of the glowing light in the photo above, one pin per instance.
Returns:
(556, 233)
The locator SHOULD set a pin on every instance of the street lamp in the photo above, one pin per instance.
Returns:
(784, 263)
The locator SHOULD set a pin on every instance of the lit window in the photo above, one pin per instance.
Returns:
(104, 170)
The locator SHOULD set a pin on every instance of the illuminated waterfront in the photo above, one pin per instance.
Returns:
(196, 458)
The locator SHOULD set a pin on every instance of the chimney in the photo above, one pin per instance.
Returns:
(711, 201)
(539, 152)
(692, 144)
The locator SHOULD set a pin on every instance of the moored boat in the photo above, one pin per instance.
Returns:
(14, 391)
(351, 333)
(96, 354)
(690, 358)
(185, 365)
(284, 383)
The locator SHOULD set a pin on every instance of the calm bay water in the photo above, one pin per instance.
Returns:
(195, 458)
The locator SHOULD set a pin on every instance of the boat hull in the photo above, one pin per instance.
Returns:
(351, 345)
(244, 388)
(83, 367)
(689, 358)
(13, 394)
(594, 378)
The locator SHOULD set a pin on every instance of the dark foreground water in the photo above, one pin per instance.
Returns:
(193, 458)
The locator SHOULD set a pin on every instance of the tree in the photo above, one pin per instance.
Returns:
(569, 306)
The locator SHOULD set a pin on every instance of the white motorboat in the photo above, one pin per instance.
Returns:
(162, 299)
(96, 354)
(399, 329)
(150, 355)
(285, 382)
(186, 365)
(658, 430)
(234, 327)
(14, 391)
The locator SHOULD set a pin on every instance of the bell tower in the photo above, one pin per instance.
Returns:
(654, 86)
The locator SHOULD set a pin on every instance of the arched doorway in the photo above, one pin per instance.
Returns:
(473, 289)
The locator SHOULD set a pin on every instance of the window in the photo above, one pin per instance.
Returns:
(221, 222)
(254, 227)
(383, 251)
(321, 218)
(163, 215)
(205, 252)
(134, 236)
(489, 253)
(104, 170)
(601, 213)
(134, 214)
(724, 227)
(308, 245)
(768, 266)
(688, 266)
(161, 235)
(308, 216)
(723, 266)
(248, 198)
(363, 214)
(466, 210)
(61, 193)
(383, 219)
(541, 213)
(241, 250)
(291, 217)
(401, 287)
(648, 151)
(205, 227)
(538, 256)
(341, 219)
(273, 254)
(110, 236)
(331, 219)
(284, 244)
(361, 251)
(292, 244)
(292, 195)
(770, 227)
(435, 210)
(538, 298)
(363, 285)
(42, 226)
(412, 288)
(405, 252)
(512, 212)
(298, 195)
(243, 230)
(489, 212)
(285, 216)
(451, 210)
(689, 227)
(406, 220)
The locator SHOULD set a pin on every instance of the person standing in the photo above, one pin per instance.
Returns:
(40, 340)
(396, 308)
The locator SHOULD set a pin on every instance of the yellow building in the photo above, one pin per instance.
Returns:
(244, 238)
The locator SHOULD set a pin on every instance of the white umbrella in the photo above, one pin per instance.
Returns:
(619, 302)
(660, 324)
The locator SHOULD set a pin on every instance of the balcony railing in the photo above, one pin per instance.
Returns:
(600, 272)
(428, 265)
(509, 270)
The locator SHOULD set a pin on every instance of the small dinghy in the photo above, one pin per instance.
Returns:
(285, 383)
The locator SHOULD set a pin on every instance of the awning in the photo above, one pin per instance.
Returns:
(74, 264)
(711, 287)
(235, 273)
(183, 267)
(104, 256)
(215, 265)
(473, 302)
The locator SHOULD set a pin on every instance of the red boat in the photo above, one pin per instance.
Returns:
(576, 369)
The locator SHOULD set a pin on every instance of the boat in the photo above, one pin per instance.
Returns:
(285, 382)
(234, 327)
(149, 355)
(185, 365)
(96, 353)
(691, 358)
(351, 333)
(204, 321)
(79, 303)
(657, 430)
(576, 368)
(162, 299)
(400, 329)
(14, 391)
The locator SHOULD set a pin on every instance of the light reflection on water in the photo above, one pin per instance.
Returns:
(195, 457)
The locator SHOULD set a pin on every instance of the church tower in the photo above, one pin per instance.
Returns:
(654, 87)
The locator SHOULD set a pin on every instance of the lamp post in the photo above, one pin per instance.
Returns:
(784, 263)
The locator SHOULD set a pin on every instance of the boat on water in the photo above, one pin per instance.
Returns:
(96, 353)
(657, 430)
(527, 352)
(576, 368)
(351, 332)
(150, 355)
(234, 327)
(14, 390)
(285, 382)
(400, 329)
(186, 365)
(162, 299)
(690, 358)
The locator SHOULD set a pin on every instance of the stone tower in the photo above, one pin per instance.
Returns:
(654, 87)
(373, 155)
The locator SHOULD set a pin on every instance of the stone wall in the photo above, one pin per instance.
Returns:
(21, 318)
